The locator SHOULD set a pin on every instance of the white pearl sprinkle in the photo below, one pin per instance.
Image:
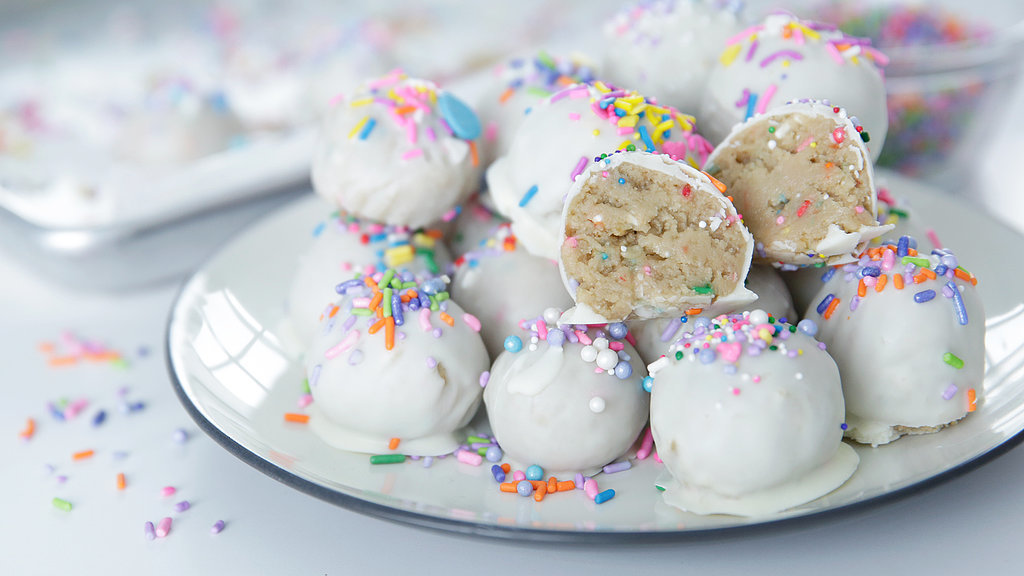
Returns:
(597, 405)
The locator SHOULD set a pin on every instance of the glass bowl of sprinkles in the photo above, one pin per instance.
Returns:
(951, 63)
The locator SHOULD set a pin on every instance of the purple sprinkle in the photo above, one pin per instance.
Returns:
(99, 418)
(949, 392)
(947, 291)
(180, 436)
(436, 333)
(149, 531)
(498, 473)
(671, 329)
(182, 506)
(617, 467)
(958, 304)
(428, 461)
(355, 357)
(217, 527)
(349, 323)
(431, 362)
(579, 481)
(485, 376)
(854, 302)
(315, 376)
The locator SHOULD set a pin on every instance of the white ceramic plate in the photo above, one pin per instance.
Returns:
(233, 374)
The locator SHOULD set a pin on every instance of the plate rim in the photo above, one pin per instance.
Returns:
(507, 533)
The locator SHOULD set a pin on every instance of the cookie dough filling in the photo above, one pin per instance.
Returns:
(646, 236)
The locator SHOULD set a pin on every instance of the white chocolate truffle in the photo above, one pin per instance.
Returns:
(502, 284)
(343, 246)
(400, 151)
(516, 87)
(567, 400)
(655, 336)
(561, 136)
(667, 48)
(801, 177)
(413, 375)
(908, 334)
(784, 58)
(646, 236)
(747, 416)
(473, 226)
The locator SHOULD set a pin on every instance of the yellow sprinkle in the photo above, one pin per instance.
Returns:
(623, 105)
(361, 102)
(395, 257)
(730, 54)
(765, 334)
(692, 162)
(421, 239)
(628, 121)
(601, 87)
(623, 145)
(785, 63)
(597, 132)
(814, 144)
(854, 59)
(807, 31)
(358, 127)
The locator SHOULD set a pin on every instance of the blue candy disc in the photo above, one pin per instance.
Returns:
(460, 117)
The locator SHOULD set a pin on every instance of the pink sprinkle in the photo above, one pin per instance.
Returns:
(934, 238)
(431, 136)
(657, 458)
(519, 476)
(450, 215)
(346, 266)
(571, 241)
(780, 220)
(735, 391)
(491, 132)
(646, 445)
(167, 491)
(616, 345)
(762, 103)
(425, 320)
(604, 173)
(410, 132)
(542, 329)
(472, 321)
(888, 260)
(730, 351)
(414, 153)
(574, 116)
(467, 457)
(584, 339)
(753, 30)
(348, 342)
(647, 270)
(336, 100)
(360, 302)
(756, 379)
(804, 144)
(870, 281)
(590, 488)
(305, 400)
(624, 130)
(630, 338)
(859, 209)
(163, 528)
(578, 169)
(781, 54)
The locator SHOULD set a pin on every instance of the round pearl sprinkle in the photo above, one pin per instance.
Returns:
(808, 327)
(524, 488)
(493, 454)
(551, 315)
(597, 405)
(607, 359)
(588, 353)
(180, 436)
(623, 370)
(513, 344)
(617, 330)
(556, 338)
(534, 472)
(706, 356)
(648, 383)
(758, 317)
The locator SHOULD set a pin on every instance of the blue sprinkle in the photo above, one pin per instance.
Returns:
(646, 138)
(751, 102)
(648, 383)
(528, 196)
(823, 305)
(706, 356)
(617, 330)
(460, 117)
(941, 270)
(829, 273)
(319, 229)
(498, 473)
(524, 488)
(924, 296)
(874, 271)
(902, 247)
(396, 310)
(494, 454)
(367, 128)
(99, 418)
(534, 472)
(843, 426)
(513, 344)
(623, 370)
(808, 327)
(622, 180)
(556, 338)
(958, 304)
(605, 496)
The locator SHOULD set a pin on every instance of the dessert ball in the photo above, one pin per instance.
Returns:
(653, 337)
(747, 415)
(800, 176)
(561, 136)
(502, 284)
(395, 360)
(400, 151)
(516, 87)
(568, 399)
(646, 236)
(667, 48)
(907, 330)
(473, 226)
(343, 246)
(784, 58)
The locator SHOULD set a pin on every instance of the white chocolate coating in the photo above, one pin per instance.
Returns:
(655, 336)
(890, 349)
(422, 391)
(557, 139)
(655, 306)
(667, 48)
(548, 406)
(387, 154)
(749, 421)
(472, 227)
(783, 59)
(502, 284)
(833, 243)
(343, 246)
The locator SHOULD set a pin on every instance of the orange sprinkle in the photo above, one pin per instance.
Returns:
(62, 360)
(862, 288)
(413, 294)
(297, 418)
(828, 165)
(897, 281)
(378, 297)
(911, 251)
(389, 332)
(376, 326)
(507, 487)
(539, 492)
(966, 277)
(102, 356)
(403, 110)
(393, 444)
(509, 244)
(718, 183)
(120, 481)
(30, 429)
(473, 153)
(83, 454)
(45, 347)
(404, 298)
(537, 484)
(370, 282)
(929, 273)
(919, 277)
(880, 284)
(972, 400)
(506, 467)
(435, 234)
(873, 253)
(508, 93)
(566, 486)
(694, 311)
(334, 310)
(447, 319)
(552, 484)
(831, 308)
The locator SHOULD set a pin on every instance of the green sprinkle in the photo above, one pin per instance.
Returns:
(705, 289)
(407, 285)
(630, 148)
(679, 354)
(771, 319)
(305, 386)
(428, 255)
(119, 363)
(820, 264)
(964, 270)
(953, 360)
(659, 487)
(442, 296)
(388, 276)
(62, 504)
(546, 59)
(387, 459)
(604, 255)
(773, 347)
(898, 213)
(771, 129)
(537, 92)
(386, 302)
(477, 440)
(919, 262)
(482, 451)
(362, 312)
(792, 328)
(433, 304)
